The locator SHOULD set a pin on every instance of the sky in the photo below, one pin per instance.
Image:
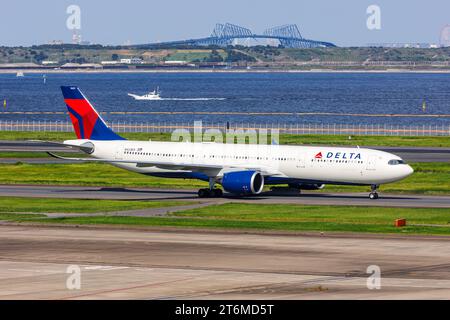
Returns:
(25, 22)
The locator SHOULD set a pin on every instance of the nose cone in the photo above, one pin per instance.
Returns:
(407, 171)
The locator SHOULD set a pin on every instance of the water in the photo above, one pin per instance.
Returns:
(339, 93)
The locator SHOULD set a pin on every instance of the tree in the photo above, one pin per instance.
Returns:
(39, 57)
(115, 57)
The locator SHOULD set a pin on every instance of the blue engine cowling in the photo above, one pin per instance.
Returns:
(243, 182)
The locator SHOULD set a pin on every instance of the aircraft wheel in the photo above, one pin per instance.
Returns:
(373, 195)
(203, 193)
(217, 193)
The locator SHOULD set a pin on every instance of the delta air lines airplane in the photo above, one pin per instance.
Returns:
(241, 169)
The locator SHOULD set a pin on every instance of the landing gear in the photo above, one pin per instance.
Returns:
(211, 192)
(373, 193)
(207, 193)
(203, 193)
(217, 193)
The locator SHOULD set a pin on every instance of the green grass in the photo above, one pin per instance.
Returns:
(325, 218)
(309, 139)
(280, 217)
(428, 178)
(32, 155)
(60, 136)
(51, 205)
(86, 174)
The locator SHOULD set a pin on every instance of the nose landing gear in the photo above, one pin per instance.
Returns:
(373, 193)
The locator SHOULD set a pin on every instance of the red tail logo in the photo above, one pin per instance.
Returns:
(318, 156)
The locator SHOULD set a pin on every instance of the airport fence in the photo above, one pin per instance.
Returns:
(296, 128)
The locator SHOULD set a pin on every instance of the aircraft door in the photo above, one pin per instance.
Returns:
(371, 163)
(119, 153)
(301, 160)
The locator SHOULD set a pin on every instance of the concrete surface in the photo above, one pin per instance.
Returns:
(182, 264)
(307, 197)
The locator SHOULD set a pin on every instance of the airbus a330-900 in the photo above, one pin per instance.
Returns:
(241, 169)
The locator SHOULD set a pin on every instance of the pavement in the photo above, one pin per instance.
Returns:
(37, 262)
(306, 198)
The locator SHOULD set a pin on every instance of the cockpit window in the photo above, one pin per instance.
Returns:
(396, 161)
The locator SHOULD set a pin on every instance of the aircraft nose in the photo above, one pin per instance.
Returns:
(408, 170)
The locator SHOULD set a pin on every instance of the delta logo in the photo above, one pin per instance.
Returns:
(339, 155)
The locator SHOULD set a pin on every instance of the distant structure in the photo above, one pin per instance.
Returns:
(227, 34)
(403, 45)
(445, 36)
(76, 37)
(55, 42)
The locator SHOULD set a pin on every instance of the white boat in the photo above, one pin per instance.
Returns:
(152, 95)
(20, 74)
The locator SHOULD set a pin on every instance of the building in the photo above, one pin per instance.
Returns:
(71, 65)
(48, 62)
(175, 62)
(112, 62)
(55, 42)
(403, 45)
(131, 61)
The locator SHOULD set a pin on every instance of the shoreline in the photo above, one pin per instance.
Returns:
(95, 71)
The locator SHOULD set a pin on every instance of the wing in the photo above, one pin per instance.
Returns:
(213, 170)
(87, 146)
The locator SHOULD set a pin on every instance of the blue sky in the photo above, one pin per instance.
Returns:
(343, 22)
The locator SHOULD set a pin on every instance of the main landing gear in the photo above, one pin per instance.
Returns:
(210, 192)
(373, 193)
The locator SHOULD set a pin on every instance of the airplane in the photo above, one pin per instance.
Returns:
(241, 169)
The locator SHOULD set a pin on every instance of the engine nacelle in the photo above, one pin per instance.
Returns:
(243, 182)
(307, 186)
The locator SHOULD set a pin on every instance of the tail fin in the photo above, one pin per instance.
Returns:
(87, 123)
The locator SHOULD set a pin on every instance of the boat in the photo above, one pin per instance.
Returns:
(20, 74)
(152, 95)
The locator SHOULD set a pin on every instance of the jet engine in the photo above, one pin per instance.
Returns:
(243, 182)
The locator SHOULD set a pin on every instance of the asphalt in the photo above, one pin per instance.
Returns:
(411, 154)
(307, 197)
(37, 262)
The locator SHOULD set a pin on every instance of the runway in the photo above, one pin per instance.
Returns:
(410, 154)
(181, 264)
(306, 198)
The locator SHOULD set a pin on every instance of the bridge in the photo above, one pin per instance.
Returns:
(226, 34)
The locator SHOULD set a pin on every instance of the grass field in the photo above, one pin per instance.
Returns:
(392, 141)
(51, 205)
(278, 217)
(428, 178)
(32, 155)
(85, 174)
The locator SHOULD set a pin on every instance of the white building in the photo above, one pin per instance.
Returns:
(109, 62)
(48, 62)
(175, 62)
(131, 61)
